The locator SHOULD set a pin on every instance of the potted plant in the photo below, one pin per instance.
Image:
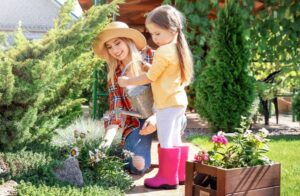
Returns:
(240, 167)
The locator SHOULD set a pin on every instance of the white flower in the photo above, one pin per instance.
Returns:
(264, 131)
(74, 152)
(220, 133)
(96, 156)
(247, 132)
(127, 153)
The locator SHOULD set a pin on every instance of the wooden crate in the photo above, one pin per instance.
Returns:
(251, 181)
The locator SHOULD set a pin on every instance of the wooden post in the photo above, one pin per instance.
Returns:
(189, 178)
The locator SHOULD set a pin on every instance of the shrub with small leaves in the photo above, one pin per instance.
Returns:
(102, 166)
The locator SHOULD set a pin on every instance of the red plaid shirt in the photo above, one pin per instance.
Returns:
(118, 99)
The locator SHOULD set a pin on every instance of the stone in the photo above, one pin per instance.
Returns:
(8, 188)
(70, 172)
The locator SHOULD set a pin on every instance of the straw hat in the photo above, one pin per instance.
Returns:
(114, 30)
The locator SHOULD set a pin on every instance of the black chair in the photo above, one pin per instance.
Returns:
(265, 103)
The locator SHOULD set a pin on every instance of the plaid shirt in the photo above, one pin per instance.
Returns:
(118, 100)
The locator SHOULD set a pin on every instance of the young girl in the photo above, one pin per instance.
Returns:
(171, 71)
(119, 45)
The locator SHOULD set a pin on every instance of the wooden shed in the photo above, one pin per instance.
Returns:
(133, 12)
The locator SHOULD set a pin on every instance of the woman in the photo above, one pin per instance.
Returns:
(119, 46)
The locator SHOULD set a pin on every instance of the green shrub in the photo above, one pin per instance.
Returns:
(296, 106)
(40, 189)
(101, 166)
(42, 81)
(32, 169)
(225, 90)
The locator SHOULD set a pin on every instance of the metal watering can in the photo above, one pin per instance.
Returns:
(141, 98)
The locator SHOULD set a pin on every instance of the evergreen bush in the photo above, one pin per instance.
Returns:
(296, 106)
(225, 89)
(42, 81)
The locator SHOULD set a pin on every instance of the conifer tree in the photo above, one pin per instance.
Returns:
(42, 81)
(225, 89)
(296, 106)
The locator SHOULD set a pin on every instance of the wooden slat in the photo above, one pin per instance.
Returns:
(241, 179)
(205, 169)
(269, 191)
(189, 178)
(202, 191)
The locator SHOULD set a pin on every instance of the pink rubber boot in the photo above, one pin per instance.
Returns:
(167, 175)
(184, 153)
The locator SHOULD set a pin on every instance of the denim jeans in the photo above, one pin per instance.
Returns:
(140, 145)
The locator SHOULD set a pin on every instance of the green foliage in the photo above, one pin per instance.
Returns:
(42, 81)
(30, 189)
(198, 32)
(296, 106)
(32, 169)
(247, 149)
(275, 38)
(82, 140)
(224, 89)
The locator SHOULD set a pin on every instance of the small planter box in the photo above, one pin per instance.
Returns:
(256, 181)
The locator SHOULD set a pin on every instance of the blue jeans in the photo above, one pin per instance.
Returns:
(140, 145)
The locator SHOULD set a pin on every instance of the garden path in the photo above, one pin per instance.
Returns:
(140, 190)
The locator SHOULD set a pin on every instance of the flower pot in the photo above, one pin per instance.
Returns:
(204, 180)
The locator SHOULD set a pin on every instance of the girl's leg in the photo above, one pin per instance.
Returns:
(180, 124)
(168, 156)
(169, 126)
(140, 146)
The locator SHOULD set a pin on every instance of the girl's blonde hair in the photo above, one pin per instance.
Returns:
(136, 59)
(169, 18)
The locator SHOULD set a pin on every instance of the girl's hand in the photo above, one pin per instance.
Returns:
(146, 66)
(149, 126)
(123, 81)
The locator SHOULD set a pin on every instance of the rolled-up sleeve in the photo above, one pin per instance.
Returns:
(115, 102)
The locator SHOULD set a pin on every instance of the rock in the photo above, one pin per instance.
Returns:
(8, 188)
(70, 172)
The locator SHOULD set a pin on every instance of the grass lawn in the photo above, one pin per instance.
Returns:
(283, 149)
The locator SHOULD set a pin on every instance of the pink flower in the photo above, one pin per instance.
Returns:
(219, 139)
(201, 156)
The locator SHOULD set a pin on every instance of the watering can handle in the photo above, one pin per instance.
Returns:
(127, 65)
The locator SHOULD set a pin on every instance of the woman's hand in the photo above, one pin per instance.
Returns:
(109, 135)
(123, 81)
(149, 126)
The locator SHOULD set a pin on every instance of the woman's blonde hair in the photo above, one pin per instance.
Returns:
(136, 59)
(169, 18)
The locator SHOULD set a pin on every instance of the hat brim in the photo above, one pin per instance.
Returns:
(106, 35)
